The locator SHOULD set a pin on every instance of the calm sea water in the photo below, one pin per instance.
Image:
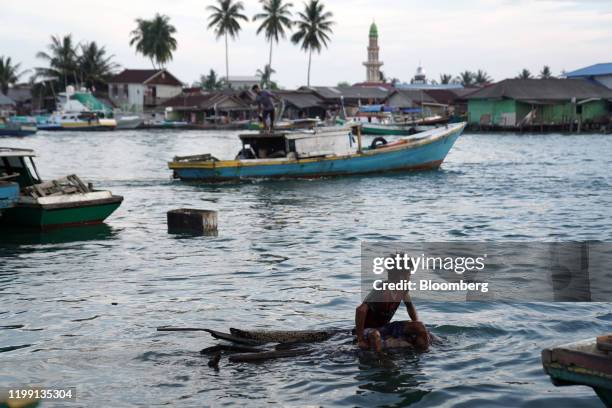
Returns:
(86, 301)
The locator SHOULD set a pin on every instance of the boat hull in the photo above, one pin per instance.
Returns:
(47, 216)
(582, 363)
(427, 153)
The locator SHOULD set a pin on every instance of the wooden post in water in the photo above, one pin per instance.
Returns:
(359, 138)
(192, 221)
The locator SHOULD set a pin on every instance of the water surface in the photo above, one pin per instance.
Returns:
(85, 302)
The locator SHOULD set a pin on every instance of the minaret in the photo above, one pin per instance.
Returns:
(373, 64)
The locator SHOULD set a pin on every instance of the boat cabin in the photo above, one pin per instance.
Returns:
(318, 142)
(18, 165)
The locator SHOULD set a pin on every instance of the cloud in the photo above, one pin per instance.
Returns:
(499, 36)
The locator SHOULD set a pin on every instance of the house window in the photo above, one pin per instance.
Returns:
(125, 90)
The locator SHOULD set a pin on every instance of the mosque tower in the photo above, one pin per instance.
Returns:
(373, 64)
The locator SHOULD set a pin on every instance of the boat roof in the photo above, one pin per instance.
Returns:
(13, 152)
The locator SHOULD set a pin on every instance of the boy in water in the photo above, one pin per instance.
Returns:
(373, 325)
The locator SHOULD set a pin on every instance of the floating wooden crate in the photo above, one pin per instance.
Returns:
(192, 221)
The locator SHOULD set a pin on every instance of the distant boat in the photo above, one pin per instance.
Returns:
(14, 128)
(318, 153)
(62, 202)
(129, 121)
(380, 120)
(587, 363)
(79, 111)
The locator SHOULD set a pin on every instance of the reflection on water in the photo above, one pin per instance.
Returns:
(87, 300)
(15, 236)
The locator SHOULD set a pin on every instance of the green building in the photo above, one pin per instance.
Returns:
(514, 103)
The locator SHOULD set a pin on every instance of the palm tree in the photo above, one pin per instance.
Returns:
(465, 78)
(545, 73)
(445, 78)
(224, 20)
(314, 28)
(524, 74)
(265, 75)
(9, 73)
(95, 65)
(276, 18)
(482, 78)
(153, 39)
(210, 82)
(62, 59)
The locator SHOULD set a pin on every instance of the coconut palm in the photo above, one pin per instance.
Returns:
(465, 78)
(445, 78)
(62, 59)
(154, 39)
(265, 75)
(313, 30)
(276, 19)
(225, 21)
(524, 74)
(545, 73)
(9, 73)
(482, 78)
(95, 65)
(211, 81)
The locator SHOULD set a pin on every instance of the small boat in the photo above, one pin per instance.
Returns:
(12, 128)
(320, 152)
(380, 129)
(586, 362)
(307, 123)
(55, 203)
(129, 121)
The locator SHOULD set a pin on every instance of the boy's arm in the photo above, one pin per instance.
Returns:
(360, 318)
(410, 308)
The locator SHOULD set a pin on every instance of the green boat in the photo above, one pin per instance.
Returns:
(52, 204)
(379, 129)
(587, 363)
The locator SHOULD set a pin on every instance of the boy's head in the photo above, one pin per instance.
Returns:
(401, 268)
(256, 89)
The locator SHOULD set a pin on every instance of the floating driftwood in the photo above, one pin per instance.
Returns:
(267, 355)
(285, 336)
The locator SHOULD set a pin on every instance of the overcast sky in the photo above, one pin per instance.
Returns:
(447, 36)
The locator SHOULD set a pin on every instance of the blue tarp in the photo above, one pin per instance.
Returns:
(375, 108)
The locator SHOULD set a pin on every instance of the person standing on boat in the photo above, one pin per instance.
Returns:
(265, 103)
(373, 317)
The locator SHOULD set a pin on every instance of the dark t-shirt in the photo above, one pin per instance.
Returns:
(264, 99)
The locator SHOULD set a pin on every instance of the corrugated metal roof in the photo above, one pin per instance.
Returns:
(404, 98)
(593, 70)
(543, 90)
(299, 99)
(140, 76)
(5, 100)
(352, 92)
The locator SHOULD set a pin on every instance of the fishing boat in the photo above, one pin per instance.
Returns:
(61, 202)
(586, 362)
(320, 152)
(14, 128)
(79, 111)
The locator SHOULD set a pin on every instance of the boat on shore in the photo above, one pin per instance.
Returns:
(51, 204)
(586, 362)
(320, 152)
